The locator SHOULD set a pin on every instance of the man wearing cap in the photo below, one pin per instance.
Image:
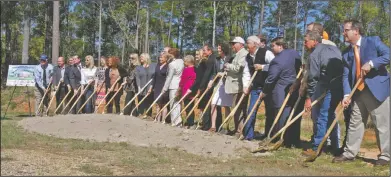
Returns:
(234, 82)
(257, 59)
(42, 77)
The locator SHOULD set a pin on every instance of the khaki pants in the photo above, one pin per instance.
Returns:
(38, 98)
(364, 104)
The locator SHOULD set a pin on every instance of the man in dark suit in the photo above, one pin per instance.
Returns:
(58, 76)
(74, 76)
(281, 75)
(366, 58)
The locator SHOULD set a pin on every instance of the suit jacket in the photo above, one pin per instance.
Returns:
(204, 72)
(57, 75)
(233, 82)
(74, 76)
(378, 79)
(281, 75)
(175, 69)
(260, 78)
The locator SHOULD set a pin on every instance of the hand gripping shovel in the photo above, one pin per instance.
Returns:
(339, 115)
(263, 146)
(101, 101)
(134, 97)
(232, 113)
(282, 107)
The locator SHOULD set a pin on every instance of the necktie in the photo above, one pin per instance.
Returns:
(358, 67)
(44, 77)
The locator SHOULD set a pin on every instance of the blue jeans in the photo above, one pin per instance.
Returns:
(248, 130)
(323, 115)
(89, 108)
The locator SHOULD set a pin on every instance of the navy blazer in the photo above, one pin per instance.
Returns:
(378, 79)
(281, 75)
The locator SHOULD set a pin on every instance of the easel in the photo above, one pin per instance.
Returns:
(12, 95)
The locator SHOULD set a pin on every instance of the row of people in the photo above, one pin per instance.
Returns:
(327, 71)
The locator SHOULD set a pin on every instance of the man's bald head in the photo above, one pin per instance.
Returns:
(60, 61)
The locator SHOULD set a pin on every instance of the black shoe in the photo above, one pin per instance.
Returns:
(341, 158)
(382, 162)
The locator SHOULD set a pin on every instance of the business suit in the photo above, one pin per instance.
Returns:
(373, 100)
(175, 69)
(281, 75)
(74, 76)
(58, 75)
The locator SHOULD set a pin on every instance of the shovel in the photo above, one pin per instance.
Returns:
(101, 101)
(179, 102)
(112, 98)
(339, 115)
(145, 97)
(134, 97)
(88, 99)
(51, 100)
(74, 95)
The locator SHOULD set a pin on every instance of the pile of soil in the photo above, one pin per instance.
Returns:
(117, 128)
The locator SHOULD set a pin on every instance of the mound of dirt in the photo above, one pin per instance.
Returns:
(116, 128)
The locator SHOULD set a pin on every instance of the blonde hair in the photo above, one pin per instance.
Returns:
(135, 56)
(91, 61)
(146, 57)
(189, 58)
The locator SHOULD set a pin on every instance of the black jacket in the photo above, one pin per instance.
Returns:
(204, 71)
(261, 76)
(122, 72)
(74, 76)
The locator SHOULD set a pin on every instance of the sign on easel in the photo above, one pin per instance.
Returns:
(21, 75)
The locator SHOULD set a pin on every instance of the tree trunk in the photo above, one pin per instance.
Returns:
(7, 57)
(261, 16)
(169, 28)
(123, 51)
(47, 28)
(161, 26)
(304, 29)
(279, 18)
(56, 31)
(146, 32)
(137, 25)
(100, 32)
(26, 33)
(181, 29)
(214, 24)
(297, 17)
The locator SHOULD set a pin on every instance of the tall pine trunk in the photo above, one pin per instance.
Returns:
(56, 31)
(170, 23)
(26, 33)
(296, 18)
(261, 16)
(137, 26)
(146, 50)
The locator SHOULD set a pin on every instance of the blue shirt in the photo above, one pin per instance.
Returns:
(38, 75)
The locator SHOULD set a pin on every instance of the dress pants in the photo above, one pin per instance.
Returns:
(364, 104)
(144, 105)
(190, 120)
(175, 118)
(116, 102)
(129, 96)
(60, 94)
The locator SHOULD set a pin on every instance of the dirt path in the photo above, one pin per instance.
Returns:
(115, 128)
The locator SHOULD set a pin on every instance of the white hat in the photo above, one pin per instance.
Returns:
(238, 40)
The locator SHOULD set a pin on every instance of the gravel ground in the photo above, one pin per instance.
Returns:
(116, 128)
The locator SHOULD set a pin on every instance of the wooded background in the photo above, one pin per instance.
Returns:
(66, 28)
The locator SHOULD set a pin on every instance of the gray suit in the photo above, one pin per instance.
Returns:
(234, 82)
(175, 69)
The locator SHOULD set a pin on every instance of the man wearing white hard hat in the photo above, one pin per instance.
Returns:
(234, 79)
